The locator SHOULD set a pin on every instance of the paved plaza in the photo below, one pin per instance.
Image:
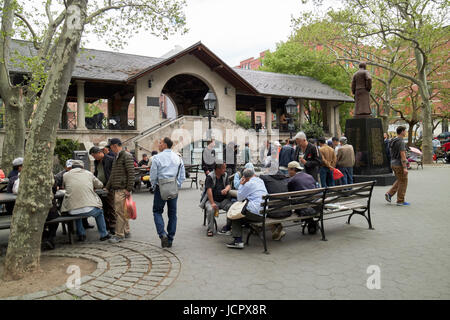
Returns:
(410, 246)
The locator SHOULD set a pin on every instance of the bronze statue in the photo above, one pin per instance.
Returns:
(361, 86)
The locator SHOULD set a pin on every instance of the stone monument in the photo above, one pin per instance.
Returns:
(365, 134)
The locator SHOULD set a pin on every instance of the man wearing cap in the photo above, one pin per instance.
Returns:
(14, 174)
(59, 175)
(302, 181)
(299, 180)
(328, 163)
(80, 199)
(103, 166)
(121, 183)
(106, 148)
(345, 161)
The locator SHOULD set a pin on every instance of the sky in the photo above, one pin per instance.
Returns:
(233, 29)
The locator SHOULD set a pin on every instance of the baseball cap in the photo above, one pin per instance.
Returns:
(69, 163)
(17, 162)
(102, 144)
(115, 141)
(295, 165)
(78, 163)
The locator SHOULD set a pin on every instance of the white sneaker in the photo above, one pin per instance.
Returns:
(236, 245)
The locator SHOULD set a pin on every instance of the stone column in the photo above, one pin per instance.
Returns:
(301, 112)
(252, 117)
(278, 111)
(269, 115)
(81, 124)
(331, 119)
(64, 120)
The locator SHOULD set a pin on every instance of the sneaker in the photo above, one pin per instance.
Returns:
(236, 245)
(225, 232)
(127, 234)
(388, 197)
(115, 239)
(107, 237)
(403, 203)
(277, 232)
(280, 235)
(164, 242)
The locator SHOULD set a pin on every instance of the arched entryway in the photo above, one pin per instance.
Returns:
(186, 92)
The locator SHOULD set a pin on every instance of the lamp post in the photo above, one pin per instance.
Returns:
(291, 110)
(210, 101)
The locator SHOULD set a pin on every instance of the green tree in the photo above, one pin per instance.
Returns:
(56, 30)
(294, 57)
(419, 27)
(243, 120)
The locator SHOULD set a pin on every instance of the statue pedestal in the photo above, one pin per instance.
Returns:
(371, 163)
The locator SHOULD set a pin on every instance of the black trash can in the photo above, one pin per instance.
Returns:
(83, 156)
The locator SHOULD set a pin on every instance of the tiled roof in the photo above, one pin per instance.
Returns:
(95, 64)
(113, 66)
(278, 84)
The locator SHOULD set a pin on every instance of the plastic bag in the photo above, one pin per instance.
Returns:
(337, 174)
(130, 208)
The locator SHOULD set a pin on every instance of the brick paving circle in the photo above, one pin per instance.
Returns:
(129, 270)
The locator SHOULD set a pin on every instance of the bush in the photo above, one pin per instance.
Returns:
(312, 130)
(243, 120)
(64, 149)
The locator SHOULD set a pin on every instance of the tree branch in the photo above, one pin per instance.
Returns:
(30, 28)
(48, 11)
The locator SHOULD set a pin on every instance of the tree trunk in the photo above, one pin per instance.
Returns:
(14, 139)
(410, 132)
(34, 199)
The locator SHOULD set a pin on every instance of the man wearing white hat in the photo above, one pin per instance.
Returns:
(13, 176)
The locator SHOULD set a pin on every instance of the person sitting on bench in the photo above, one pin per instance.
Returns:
(217, 186)
(81, 199)
(302, 181)
(252, 189)
(277, 183)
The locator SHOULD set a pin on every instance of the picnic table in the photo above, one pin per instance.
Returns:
(5, 220)
(3, 184)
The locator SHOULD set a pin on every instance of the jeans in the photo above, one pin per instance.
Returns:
(348, 175)
(326, 177)
(97, 213)
(158, 209)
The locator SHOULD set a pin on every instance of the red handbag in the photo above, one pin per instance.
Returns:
(337, 174)
(130, 207)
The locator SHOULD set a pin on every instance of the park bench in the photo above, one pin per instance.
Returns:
(328, 203)
(5, 223)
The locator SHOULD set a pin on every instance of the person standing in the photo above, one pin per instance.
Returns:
(328, 164)
(345, 161)
(287, 155)
(121, 183)
(399, 166)
(208, 157)
(103, 166)
(247, 157)
(436, 145)
(307, 155)
(166, 164)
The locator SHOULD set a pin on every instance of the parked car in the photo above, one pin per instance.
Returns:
(444, 137)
